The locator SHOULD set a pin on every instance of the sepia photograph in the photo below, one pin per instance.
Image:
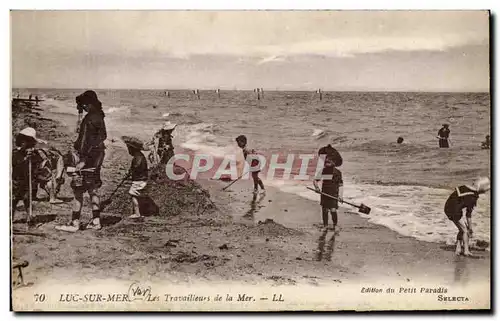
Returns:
(250, 160)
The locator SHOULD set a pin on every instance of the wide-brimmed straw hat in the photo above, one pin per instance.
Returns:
(31, 133)
(133, 142)
(169, 126)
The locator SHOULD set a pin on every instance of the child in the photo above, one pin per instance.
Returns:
(49, 173)
(464, 196)
(138, 172)
(242, 143)
(21, 162)
(331, 186)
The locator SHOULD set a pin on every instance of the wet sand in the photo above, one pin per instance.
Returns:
(228, 244)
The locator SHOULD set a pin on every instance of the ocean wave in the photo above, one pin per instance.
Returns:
(118, 110)
(60, 106)
(318, 133)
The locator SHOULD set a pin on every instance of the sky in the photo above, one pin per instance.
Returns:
(283, 50)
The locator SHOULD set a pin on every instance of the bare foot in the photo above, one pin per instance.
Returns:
(467, 253)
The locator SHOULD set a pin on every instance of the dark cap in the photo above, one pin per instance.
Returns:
(446, 125)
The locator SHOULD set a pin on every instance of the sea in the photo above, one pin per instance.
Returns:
(405, 185)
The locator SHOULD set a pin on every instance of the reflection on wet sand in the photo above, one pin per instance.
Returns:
(461, 271)
(256, 200)
(325, 253)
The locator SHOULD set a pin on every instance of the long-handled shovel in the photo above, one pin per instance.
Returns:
(108, 200)
(234, 181)
(362, 207)
(30, 209)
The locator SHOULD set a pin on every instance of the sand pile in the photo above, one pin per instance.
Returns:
(172, 197)
(271, 228)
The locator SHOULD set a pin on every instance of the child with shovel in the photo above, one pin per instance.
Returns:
(332, 185)
(22, 169)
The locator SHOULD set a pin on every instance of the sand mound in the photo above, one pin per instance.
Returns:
(271, 228)
(172, 197)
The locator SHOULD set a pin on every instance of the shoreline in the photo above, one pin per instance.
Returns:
(226, 246)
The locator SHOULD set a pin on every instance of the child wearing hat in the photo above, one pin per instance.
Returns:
(138, 172)
(331, 185)
(162, 145)
(21, 161)
(464, 197)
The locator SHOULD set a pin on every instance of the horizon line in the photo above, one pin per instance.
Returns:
(268, 90)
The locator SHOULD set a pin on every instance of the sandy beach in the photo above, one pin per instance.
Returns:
(223, 244)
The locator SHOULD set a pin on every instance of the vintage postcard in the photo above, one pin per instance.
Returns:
(250, 160)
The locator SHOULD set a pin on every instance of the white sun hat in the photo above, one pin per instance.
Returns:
(31, 132)
(482, 184)
(169, 126)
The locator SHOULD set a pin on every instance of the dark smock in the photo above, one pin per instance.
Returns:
(443, 134)
(90, 147)
(331, 187)
(20, 174)
(462, 197)
(139, 168)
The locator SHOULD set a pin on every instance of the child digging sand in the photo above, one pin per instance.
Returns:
(257, 182)
(464, 196)
(138, 173)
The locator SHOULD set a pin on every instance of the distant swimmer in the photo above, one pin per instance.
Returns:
(320, 94)
(400, 140)
(443, 136)
(36, 99)
(487, 143)
(30, 96)
(217, 91)
(464, 196)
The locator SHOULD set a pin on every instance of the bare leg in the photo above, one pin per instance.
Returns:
(94, 197)
(324, 211)
(463, 236)
(255, 182)
(15, 201)
(135, 204)
(77, 203)
(458, 243)
(333, 212)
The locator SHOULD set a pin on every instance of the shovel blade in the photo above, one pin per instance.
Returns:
(364, 209)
